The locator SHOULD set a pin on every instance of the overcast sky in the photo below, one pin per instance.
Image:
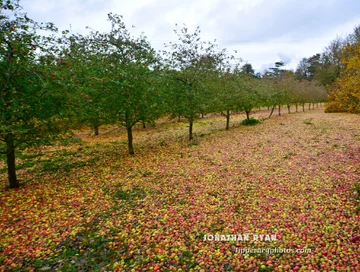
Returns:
(262, 31)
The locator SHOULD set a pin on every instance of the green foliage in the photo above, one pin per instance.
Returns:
(133, 88)
(325, 67)
(70, 141)
(130, 195)
(250, 122)
(266, 269)
(86, 250)
(119, 83)
(249, 92)
(48, 82)
(122, 195)
(288, 155)
(191, 65)
(193, 143)
(32, 108)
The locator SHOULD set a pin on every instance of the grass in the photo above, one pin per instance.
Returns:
(88, 206)
(308, 121)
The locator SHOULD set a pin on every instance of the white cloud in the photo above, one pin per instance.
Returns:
(262, 31)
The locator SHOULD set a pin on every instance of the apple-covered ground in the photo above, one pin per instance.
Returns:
(86, 205)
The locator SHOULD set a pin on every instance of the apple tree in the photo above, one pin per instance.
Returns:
(248, 87)
(228, 95)
(190, 65)
(31, 104)
(121, 78)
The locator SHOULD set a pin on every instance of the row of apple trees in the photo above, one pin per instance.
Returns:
(51, 82)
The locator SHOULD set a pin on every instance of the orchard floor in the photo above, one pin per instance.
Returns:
(85, 205)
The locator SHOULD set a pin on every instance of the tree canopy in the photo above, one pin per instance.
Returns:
(32, 104)
(52, 80)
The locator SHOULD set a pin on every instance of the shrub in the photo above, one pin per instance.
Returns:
(250, 122)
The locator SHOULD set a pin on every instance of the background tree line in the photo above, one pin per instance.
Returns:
(337, 68)
(51, 82)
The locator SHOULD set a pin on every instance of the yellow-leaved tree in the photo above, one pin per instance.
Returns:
(344, 94)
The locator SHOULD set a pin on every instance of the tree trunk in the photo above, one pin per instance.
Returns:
(202, 115)
(268, 108)
(143, 124)
(296, 105)
(303, 106)
(191, 129)
(96, 130)
(313, 106)
(288, 106)
(309, 106)
(10, 160)
(227, 119)
(272, 110)
(279, 110)
(247, 115)
(179, 118)
(130, 140)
